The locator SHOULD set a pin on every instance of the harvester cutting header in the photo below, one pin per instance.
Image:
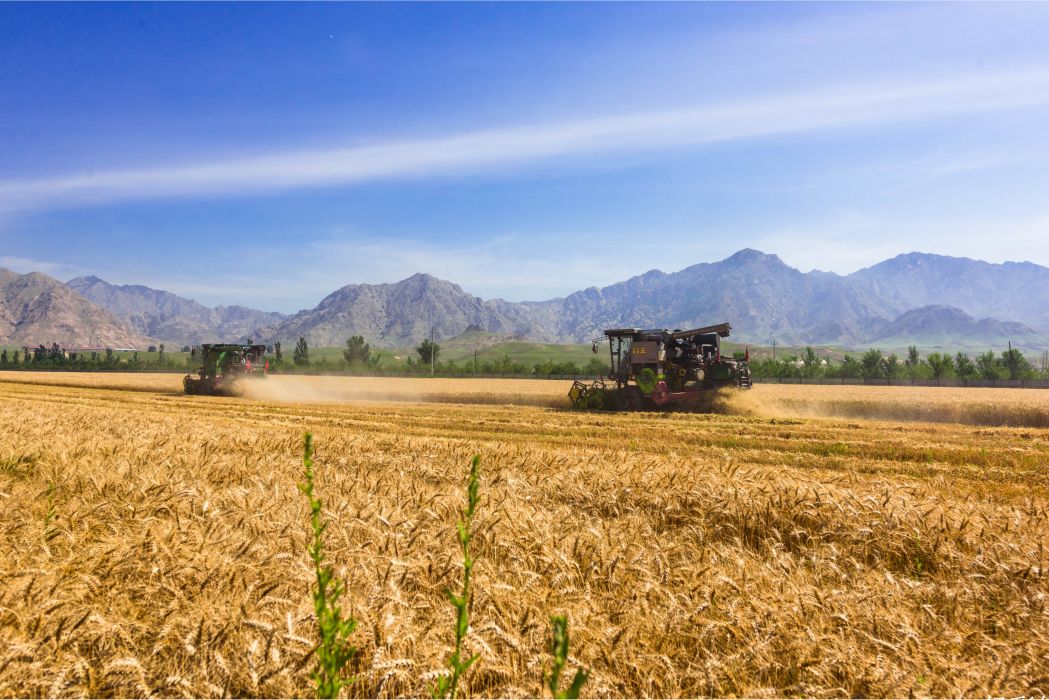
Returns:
(659, 368)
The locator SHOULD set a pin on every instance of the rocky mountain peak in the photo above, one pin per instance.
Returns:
(36, 308)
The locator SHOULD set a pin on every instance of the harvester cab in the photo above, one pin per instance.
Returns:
(654, 368)
(223, 365)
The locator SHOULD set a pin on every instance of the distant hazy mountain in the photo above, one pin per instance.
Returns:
(759, 294)
(35, 309)
(398, 314)
(950, 326)
(1012, 291)
(172, 318)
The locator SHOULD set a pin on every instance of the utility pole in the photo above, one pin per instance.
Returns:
(432, 353)
(773, 349)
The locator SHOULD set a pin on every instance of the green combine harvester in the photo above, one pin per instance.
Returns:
(223, 365)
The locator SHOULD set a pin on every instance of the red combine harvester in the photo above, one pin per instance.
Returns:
(662, 369)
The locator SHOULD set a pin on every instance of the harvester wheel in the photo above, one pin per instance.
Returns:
(191, 385)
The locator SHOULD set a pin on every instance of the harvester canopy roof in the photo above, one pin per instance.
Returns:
(239, 346)
(722, 329)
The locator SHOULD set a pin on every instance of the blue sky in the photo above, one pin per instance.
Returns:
(269, 154)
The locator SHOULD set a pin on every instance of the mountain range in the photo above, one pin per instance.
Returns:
(914, 297)
(919, 296)
(166, 316)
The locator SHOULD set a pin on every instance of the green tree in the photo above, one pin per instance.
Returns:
(357, 351)
(893, 366)
(301, 356)
(1018, 366)
(428, 351)
(913, 362)
(568, 368)
(596, 366)
(872, 364)
(160, 358)
(963, 366)
(811, 362)
(941, 365)
(850, 368)
(987, 366)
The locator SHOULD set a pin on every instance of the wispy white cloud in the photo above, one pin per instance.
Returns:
(483, 150)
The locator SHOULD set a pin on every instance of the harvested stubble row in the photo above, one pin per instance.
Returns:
(694, 554)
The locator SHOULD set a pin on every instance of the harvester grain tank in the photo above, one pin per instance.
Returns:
(662, 368)
(223, 365)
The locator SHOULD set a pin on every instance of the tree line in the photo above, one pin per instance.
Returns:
(359, 357)
(55, 357)
(874, 364)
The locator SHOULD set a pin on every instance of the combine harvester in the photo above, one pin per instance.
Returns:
(223, 365)
(662, 369)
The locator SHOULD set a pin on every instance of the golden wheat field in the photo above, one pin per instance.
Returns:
(816, 541)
